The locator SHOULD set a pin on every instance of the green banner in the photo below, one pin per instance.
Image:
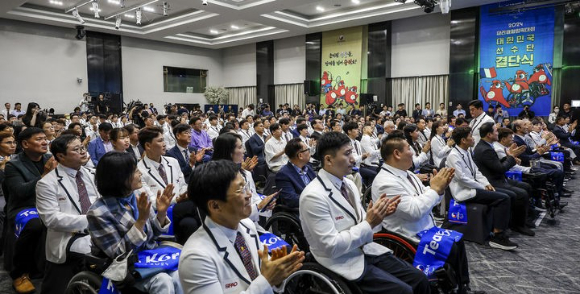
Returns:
(341, 67)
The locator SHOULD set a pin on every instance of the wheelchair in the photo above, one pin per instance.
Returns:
(285, 224)
(405, 249)
(89, 280)
(314, 278)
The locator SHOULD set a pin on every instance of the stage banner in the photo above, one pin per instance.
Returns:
(341, 67)
(516, 51)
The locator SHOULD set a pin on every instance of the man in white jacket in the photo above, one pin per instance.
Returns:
(470, 186)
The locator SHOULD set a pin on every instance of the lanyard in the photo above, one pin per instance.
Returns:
(467, 162)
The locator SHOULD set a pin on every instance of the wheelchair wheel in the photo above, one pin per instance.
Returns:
(286, 226)
(367, 197)
(313, 278)
(401, 247)
(84, 283)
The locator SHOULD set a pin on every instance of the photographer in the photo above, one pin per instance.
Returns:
(34, 117)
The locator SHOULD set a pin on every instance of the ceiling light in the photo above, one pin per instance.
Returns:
(116, 2)
(234, 27)
(53, 2)
(319, 8)
(96, 8)
(165, 8)
(214, 32)
(122, 2)
(129, 16)
(355, 1)
(76, 14)
(138, 16)
(92, 9)
(149, 9)
(118, 22)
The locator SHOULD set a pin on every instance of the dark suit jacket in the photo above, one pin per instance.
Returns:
(257, 146)
(291, 184)
(183, 164)
(528, 154)
(20, 180)
(489, 163)
(96, 149)
(563, 136)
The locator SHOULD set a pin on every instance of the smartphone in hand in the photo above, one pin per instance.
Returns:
(271, 200)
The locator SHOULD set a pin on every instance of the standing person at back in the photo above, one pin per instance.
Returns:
(479, 117)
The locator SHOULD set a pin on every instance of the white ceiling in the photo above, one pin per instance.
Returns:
(222, 23)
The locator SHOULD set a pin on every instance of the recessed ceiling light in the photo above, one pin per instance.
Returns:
(234, 27)
(116, 2)
(59, 3)
(214, 32)
(92, 9)
(356, 1)
(149, 9)
(319, 8)
(129, 16)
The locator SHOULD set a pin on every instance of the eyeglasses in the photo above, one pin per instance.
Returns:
(79, 150)
(246, 188)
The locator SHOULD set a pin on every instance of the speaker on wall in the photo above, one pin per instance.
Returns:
(366, 98)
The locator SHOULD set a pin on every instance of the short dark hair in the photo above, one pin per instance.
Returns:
(503, 132)
(193, 120)
(459, 121)
(28, 133)
(485, 129)
(115, 174)
(392, 143)
(299, 128)
(105, 127)
(73, 125)
(161, 116)
(460, 133)
(131, 128)
(147, 134)
(300, 120)
(179, 128)
(224, 146)
(211, 181)
(274, 127)
(284, 121)
(329, 144)
(349, 126)
(213, 117)
(476, 103)
(293, 147)
(60, 144)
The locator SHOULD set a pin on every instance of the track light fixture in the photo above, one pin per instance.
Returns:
(401, 1)
(76, 14)
(122, 2)
(445, 6)
(428, 5)
(138, 16)
(118, 22)
(165, 8)
(96, 8)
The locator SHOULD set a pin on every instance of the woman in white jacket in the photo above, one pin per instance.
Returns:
(439, 148)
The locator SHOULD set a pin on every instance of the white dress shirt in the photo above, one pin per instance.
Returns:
(467, 176)
(271, 148)
(439, 149)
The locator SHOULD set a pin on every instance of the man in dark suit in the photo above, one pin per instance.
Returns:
(296, 174)
(22, 173)
(257, 142)
(101, 145)
(494, 169)
(565, 136)
(186, 158)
